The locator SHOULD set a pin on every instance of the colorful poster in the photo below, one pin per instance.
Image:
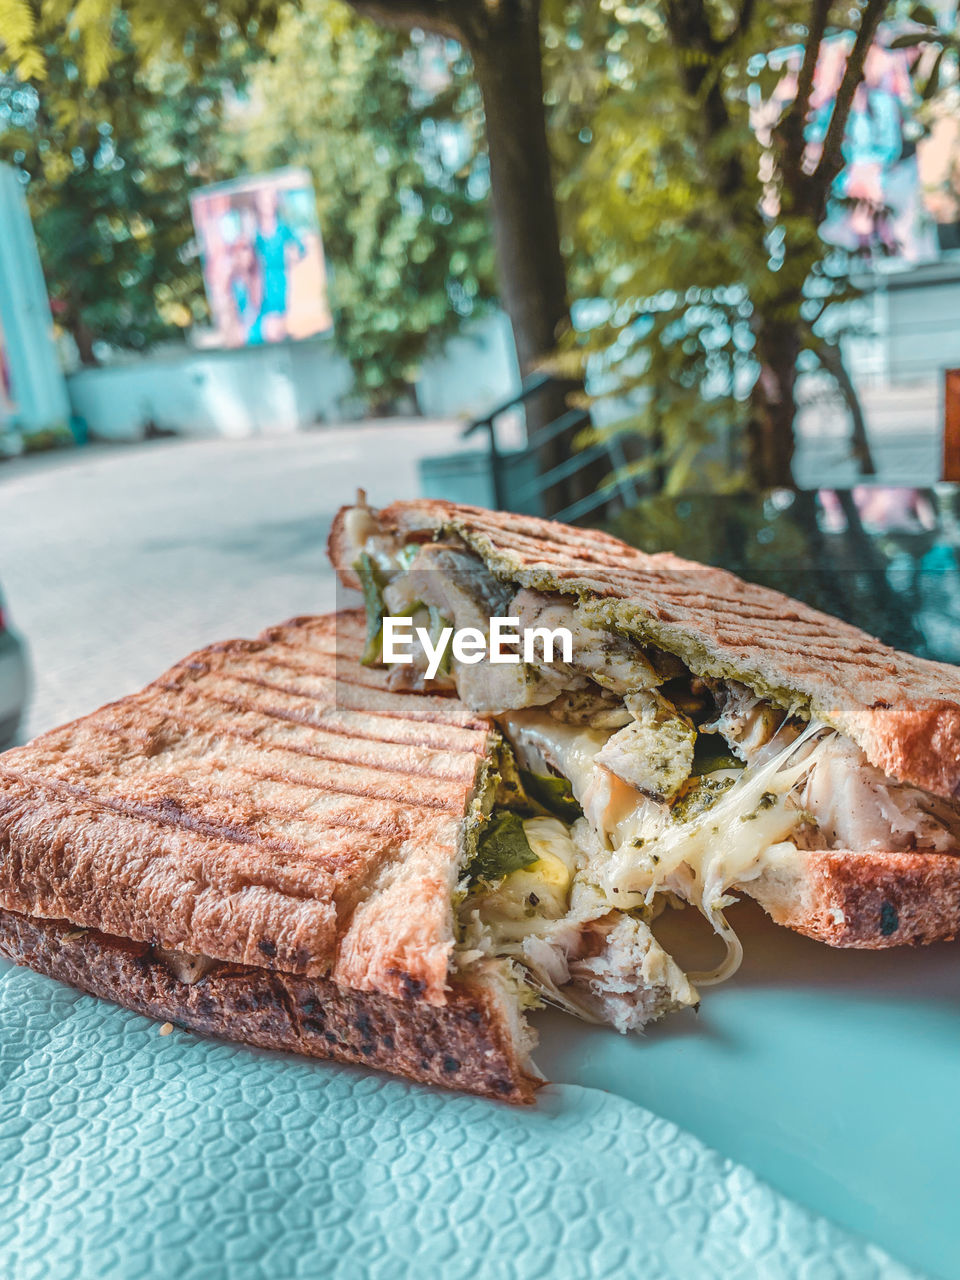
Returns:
(898, 194)
(262, 255)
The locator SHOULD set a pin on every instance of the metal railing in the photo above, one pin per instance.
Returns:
(619, 488)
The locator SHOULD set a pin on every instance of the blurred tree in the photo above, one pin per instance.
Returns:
(699, 241)
(503, 40)
(698, 231)
(107, 171)
(392, 134)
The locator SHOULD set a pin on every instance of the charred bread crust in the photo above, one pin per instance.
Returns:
(902, 710)
(267, 803)
(868, 900)
(339, 550)
(464, 1045)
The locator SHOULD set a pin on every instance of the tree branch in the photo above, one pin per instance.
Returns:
(742, 24)
(792, 126)
(831, 160)
(831, 359)
(689, 27)
(445, 17)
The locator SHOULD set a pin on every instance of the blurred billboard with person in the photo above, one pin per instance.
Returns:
(262, 257)
(898, 193)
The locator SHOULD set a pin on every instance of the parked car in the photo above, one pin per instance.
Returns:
(14, 681)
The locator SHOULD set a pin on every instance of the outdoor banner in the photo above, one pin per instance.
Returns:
(898, 194)
(262, 256)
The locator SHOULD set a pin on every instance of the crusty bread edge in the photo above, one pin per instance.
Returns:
(337, 550)
(868, 900)
(465, 1044)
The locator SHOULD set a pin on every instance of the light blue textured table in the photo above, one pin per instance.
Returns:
(128, 1154)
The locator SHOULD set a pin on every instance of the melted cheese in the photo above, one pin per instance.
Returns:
(649, 851)
(552, 920)
(569, 748)
(544, 743)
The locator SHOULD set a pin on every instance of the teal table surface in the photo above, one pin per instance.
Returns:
(831, 1074)
(804, 1124)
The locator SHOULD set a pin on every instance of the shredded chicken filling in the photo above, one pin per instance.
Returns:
(688, 787)
(551, 918)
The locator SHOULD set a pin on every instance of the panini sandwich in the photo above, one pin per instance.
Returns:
(270, 845)
(713, 736)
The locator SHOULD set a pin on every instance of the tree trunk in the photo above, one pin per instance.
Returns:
(831, 358)
(533, 285)
(770, 442)
(84, 340)
(504, 41)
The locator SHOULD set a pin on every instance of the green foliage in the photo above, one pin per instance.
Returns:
(57, 436)
(698, 241)
(108, 170)
(663, 204)
(390, 129)
(503, 848)
(126, 114)
(695, 243)
(36, 34)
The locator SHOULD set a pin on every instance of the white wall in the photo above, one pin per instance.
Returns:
(474, 371)
(922, 329)
(251, 391)
(279, 388)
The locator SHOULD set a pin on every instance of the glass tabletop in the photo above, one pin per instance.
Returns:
(884, 559)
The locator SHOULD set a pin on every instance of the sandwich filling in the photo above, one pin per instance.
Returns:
(627, 783)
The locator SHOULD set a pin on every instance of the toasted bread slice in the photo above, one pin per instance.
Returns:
(268, 810)
(465, 1043)
(903, 712)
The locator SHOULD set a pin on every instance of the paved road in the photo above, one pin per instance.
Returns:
(117, 561)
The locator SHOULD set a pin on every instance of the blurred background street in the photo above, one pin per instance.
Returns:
(118, 562)
(684, 270)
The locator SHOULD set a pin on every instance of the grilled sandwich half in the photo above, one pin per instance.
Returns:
(270, 845)
(716, 736)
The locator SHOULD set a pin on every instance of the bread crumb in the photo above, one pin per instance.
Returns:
(166, 1028)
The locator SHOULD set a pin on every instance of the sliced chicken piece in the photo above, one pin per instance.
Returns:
(654, 754)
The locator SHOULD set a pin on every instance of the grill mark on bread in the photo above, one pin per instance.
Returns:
(192, 802)
(174, 734)
(215, 842)
(153, 882)
(903, 711)
(273, 668)
(328, 776)
(416, 733)
(439, 764)
(304, 708)
(170, 811)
